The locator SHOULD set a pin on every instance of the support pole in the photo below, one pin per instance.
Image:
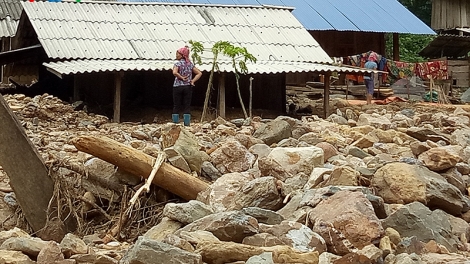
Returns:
(222, 95)
(117, 97)
(396, 47)
(76, 88)
(326, 94)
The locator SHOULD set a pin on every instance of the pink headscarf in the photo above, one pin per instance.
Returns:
(184, 51)
(373, 56)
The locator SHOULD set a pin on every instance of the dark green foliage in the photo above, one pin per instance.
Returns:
(410, 46)
(420, 8)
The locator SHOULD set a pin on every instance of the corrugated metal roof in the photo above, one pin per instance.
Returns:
(343, 15)
(94, 30)
(10, 11)
(451, 46)
(8, 27)
(10, 8)
(91, 66)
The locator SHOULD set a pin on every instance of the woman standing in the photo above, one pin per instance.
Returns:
(371, 64)
(183, 71)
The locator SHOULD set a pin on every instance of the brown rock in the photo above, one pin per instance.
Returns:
(162, 229)
(232, 157)
(51, 253)
(16, 257)
(227, 252)
(351, 258)
(263, 240)
(328, 150)
(342, 176)
(440, 158)
(351, 214)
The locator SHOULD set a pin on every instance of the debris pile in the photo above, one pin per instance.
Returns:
(372, 184)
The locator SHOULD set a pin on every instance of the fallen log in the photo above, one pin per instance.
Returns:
(138, 163)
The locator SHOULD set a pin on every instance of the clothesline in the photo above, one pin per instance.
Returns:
(436, 70)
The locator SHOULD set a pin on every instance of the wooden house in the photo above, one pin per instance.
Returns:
(451, 18)
(10, 11)
(342, 27)
(121, 54)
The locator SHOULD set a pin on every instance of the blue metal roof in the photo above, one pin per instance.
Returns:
(342, 15)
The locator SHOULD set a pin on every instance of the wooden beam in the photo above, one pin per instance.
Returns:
(396, 47)
(222, 95)
(29, 177)
(117, 97)
(326, 94)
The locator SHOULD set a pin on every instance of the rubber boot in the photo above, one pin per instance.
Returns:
(187, 119)
(175, 118)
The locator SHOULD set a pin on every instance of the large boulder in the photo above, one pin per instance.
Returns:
(146, 250)
(283, 163)
(232, 156)
(349, 213)
(274, 131)
(415, 219)
(226, 226)
(402, 183)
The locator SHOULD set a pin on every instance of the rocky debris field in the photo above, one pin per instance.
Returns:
(369, 184)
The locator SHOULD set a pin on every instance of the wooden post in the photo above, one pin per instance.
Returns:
(408, 89)
(222, 95)
(117, 97)
(76, 88)
(29, 177)
(326, 94)
(396, 47)
(140, 164)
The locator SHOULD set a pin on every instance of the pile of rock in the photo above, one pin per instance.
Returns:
(377, 186)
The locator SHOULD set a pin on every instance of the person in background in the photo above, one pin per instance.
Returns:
(183, 71)
(369, 77)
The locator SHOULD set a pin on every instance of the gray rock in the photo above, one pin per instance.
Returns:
(186, 213)
(424, 134)
(226, 226)
(187, 146)
(151, 251)
(264, 258)
(357, 152)
(209, 171)
(261, 192)
(273, 131)
(263, 215)
(415, 219)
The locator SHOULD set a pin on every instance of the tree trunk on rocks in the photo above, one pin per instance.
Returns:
(138, 163)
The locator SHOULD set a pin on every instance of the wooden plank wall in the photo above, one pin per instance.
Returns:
(450, 14)
(459, 71)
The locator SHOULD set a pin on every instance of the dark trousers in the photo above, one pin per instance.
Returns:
(182, 99)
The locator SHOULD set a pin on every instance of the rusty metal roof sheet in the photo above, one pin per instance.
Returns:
(447, 45)
(153, 31)
(90, 66)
